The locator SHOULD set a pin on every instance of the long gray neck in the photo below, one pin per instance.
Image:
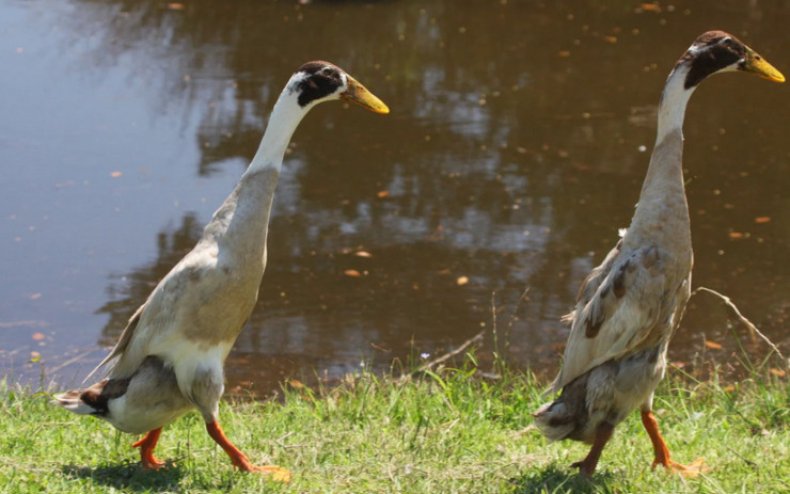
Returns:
(662, 201)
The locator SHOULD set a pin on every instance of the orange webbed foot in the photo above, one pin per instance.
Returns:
(602, 435)
(691, 470)
(151, 462)
(240, 460)
(275, 473)
(147, 445)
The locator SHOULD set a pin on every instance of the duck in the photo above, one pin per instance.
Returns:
(169, 359)
(629, 306)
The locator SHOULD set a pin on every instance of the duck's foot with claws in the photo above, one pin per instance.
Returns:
(240, 460)
(602, 435)
(691, 470)
(147, 445)
(662, 451)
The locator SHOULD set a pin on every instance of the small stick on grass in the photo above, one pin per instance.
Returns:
(513, 316)
(443, 358)
(746, 322)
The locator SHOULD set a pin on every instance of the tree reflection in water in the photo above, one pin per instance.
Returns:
(510, 158)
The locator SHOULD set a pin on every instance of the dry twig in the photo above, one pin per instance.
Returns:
(746, 322)
(70, 361)
(443, 358)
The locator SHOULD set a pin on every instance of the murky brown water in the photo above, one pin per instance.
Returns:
(518, 140)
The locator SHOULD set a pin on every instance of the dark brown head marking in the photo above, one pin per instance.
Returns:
(711, 52)
(322, 79)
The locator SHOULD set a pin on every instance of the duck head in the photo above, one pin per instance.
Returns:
(319, 81)
(717, 51)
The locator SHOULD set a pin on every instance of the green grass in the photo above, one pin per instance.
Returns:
(450, 432)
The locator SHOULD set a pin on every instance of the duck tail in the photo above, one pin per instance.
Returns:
(554, 420)
(72, 401)
(89, 401)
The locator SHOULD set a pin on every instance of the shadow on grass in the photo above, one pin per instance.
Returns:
(129, 476)
(555, 480)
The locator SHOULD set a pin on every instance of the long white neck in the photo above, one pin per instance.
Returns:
(241, 224)
(672, 107)
(284, 119)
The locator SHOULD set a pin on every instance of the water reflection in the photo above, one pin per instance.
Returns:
(519, 136)
(131, 290)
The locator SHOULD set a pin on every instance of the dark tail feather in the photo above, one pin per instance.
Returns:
(554, 420)
(72, 401)
(93, 400)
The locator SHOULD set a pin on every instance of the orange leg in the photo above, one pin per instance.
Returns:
(147, 445)
(662, 452)
(602, 436)
(240, 460)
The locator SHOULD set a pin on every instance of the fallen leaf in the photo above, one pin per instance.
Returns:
(651, 7)
(729, 388)
(175, 6)
(610, 39)
(462, 280)
(382, 194)
(295, 384)
(563, 53)
(116, 174)
(363, 253)
(762, 219)
(778, 372)
(735, 235)
(38, 336)
(712, 345)
(352, 273)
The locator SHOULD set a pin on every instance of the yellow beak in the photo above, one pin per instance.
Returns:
(360, 95)
(756, 64)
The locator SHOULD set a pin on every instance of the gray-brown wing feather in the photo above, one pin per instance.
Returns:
(123, 341)
(592, 282)
(620, 304)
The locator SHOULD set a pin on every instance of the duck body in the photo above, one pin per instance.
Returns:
(147, 400)
(629, 306)
(192, 318)
(169, 358)
(644, 283)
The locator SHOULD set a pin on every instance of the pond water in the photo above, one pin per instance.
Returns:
(518, 139)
